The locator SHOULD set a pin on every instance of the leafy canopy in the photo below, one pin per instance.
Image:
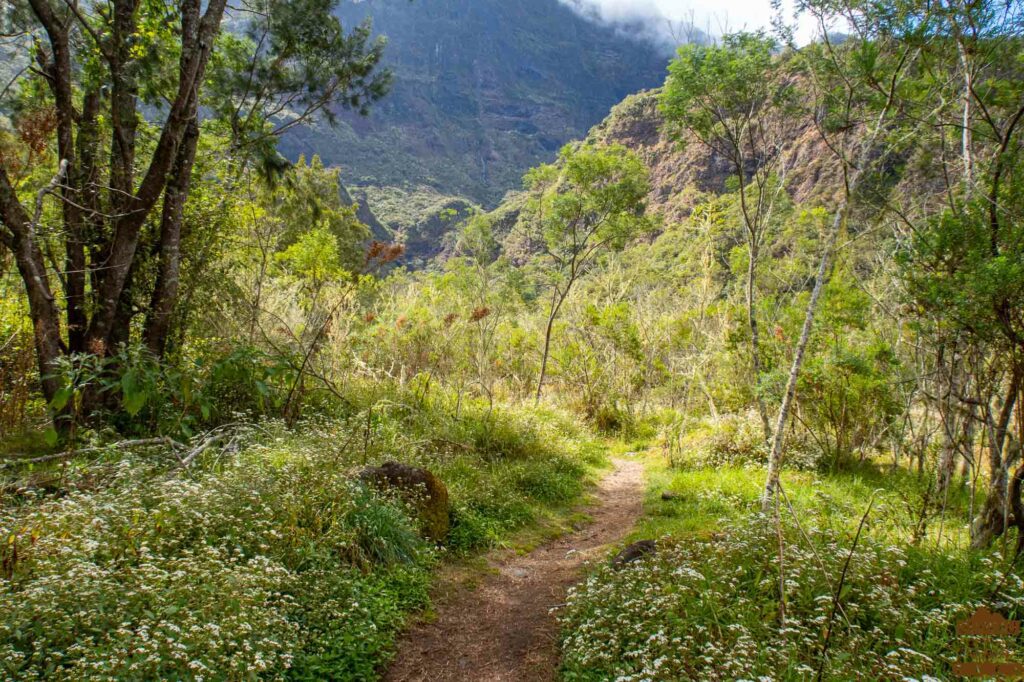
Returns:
(591, 198)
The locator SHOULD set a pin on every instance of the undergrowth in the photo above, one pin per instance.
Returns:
(268, 560)
(706, 606)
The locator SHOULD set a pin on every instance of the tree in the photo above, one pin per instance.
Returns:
(855, 88)
(731, 98)
(961, 250)
(118, 75)
(965, 275)
(588, 202)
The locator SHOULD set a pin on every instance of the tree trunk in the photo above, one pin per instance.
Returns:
(966, 141)
(989, 523)
(198, 37)
(81, 232)
(42, 307)
(949, 416)
(544, 355)
(165, 292)
(755, 339)
(775, 455)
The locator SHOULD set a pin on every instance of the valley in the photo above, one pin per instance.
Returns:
(508, 342)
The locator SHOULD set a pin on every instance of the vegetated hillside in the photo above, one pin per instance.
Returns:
(680, 172)
(484, 89)
(683, 174)
(421, 219)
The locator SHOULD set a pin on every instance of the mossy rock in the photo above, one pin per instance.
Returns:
(419, 487)
(634, 552)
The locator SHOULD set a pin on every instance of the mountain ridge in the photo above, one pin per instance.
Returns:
(483, 91)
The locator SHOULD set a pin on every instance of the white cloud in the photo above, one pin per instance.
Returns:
(667, 17)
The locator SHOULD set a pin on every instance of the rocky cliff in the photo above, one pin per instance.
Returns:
(682, 171)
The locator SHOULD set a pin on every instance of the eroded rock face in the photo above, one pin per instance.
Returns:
(633, 552)
(419, 487)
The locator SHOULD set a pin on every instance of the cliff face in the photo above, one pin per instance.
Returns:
(684, 172)
(484, 90)
(681, 171)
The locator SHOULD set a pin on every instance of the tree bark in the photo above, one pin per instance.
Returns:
(81, 225)
(755, 338)
(989, 523)
(775, 455)
(165, 292)
(966, 140)
(950, 419)
(42, 307)
(556, 304)
(197, 44)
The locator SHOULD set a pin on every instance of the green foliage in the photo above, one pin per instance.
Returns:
(708, 608)
(592, 198)
(144, 396)
(266, 558)
(476, 240)
(292, 58)
(970, 272)
(272, 560)
(313, 259)
(732, 440)
(849, 401)
(716, 90)
(707, 604)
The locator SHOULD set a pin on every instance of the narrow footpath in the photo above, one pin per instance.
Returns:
(503, 630)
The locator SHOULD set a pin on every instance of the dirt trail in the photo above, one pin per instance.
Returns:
(503, 630)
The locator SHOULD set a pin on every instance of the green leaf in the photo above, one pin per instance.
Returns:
(134, 402)
(61, 398)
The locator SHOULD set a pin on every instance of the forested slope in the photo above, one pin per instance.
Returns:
(483, 91)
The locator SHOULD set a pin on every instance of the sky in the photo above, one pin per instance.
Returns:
(714, 16)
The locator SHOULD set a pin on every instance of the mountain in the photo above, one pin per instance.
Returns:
(484, 90)
(681, 170)
(685, 172)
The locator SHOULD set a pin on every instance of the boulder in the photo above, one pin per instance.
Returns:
(422, 489)
(634, 552)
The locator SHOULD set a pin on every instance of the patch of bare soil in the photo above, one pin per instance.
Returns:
(503, 630)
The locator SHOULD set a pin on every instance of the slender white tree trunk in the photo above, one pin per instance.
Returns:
(966, 141)
(755, 339)
(854, 173)
(775, 455)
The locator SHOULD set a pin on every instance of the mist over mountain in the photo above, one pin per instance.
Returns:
(637, 18)
(484, 89)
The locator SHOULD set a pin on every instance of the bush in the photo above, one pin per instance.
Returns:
(708, 610)
(610, 418)
(733, 440)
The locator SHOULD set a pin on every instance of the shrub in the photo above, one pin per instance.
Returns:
(610, 418)
(708, 610)
(733, 440)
